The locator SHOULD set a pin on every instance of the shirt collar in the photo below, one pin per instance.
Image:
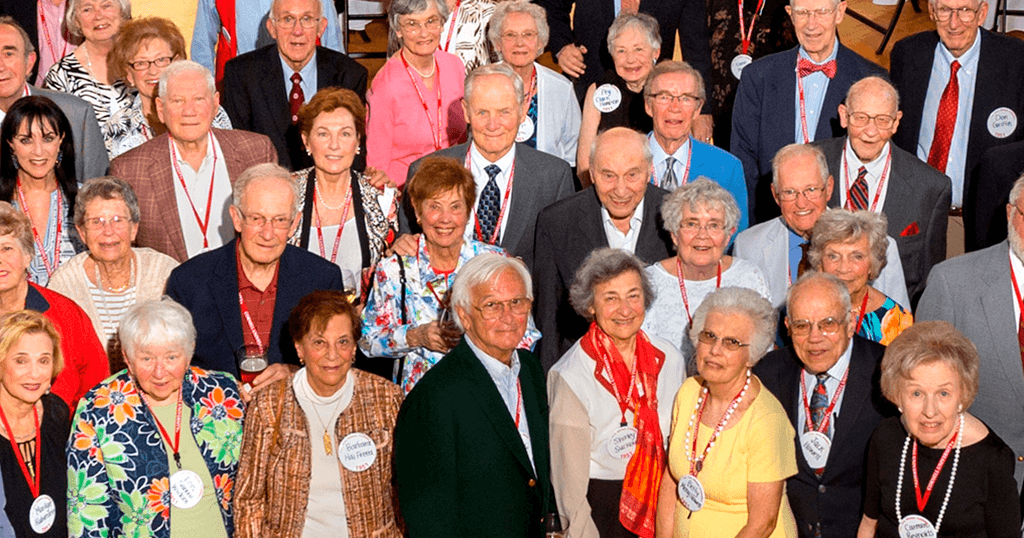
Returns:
(505, 162)
(243, 281)
(874, 167)
(634, 222)
(308, 71)
(839, 368)
(968, 60)
(495, 368)
(209, 154)
(831, 56)
(659, 154)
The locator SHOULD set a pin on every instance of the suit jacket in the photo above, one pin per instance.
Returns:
(985, 223)
(90, 152)
(721, 167)
(540, 180)
(148, 170)
(975, 294)
(567, 232)
(831, 504)
(764, 112)
(207, 286)
(461, 466)
(917, 194)
(256, 98)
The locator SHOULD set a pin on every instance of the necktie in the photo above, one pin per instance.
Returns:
(295, 97)
(819, 401)
(630, 6)
(857, 198)
(945, 121)
(490, 204)
(806, 67)
(670, 181)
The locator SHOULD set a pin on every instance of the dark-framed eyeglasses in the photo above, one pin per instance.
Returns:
(142, 65)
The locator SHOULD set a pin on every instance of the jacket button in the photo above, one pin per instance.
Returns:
(821, 488)
(1020, 458)
(532, 483)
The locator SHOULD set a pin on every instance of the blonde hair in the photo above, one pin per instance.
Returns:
(24, 322)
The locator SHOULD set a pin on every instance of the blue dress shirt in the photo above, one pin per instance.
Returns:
(308, 74)
(815, 87)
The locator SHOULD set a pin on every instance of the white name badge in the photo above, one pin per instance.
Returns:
(691, 493)
(816, 446)
(622, 443)
(607, 98)
(916, 526)
(357, 452)
(186, 489)
(738, 63)
(1002, 122)
(41, 514)
(525, 130)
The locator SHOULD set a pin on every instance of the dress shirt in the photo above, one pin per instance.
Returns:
(849, 169)
(220, 229)
(661, 167)
(835, 375)
(308, 74)
(477, 163)
(795, 255)
(617, 239)
(259, 303)
(506, 381)
(815, 87)
(937, 82)
(1018, 273)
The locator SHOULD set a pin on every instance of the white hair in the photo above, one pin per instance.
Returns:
(483, 269)
(181, 67)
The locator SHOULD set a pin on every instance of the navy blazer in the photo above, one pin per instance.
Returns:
(763, 117)
(207, 285)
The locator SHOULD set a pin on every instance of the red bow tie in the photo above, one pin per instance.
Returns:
(805, 67)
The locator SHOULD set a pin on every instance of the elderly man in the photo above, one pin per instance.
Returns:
(793, 96)
(964, 93)
(802, 186)
(514, 182)
(878, 176)
(241, 293)
(672, 97)
(183, 177)
(264, 89)
(480, 418)
(621, 210)
(16, 62)
(980, 294)
(831, 375)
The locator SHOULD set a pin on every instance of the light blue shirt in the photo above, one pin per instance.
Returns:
(835, 375)
(506, 380)
(308, 74)
(250, 28)
(937, 82)
(660, 164)
(795, 254)
(815, 87)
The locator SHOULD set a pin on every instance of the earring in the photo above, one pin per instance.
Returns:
(960, 408)
(359, 150)
(14, 161)
(60, 157)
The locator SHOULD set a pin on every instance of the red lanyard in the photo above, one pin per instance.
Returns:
(748, 34)
(33, 483)
(176, 445)
(714, 433)
(881, 180)
(823, 427)
(248, 321)
(451, 27)
(519, 402)
(40, 243)
(686, 171)
(430, 286)
(607, 372)
(438, 136)
(803, 113)
(204, 223)
(46, 34)
(493, 240)
(863, 312)
(533, 87)
(341, 227)
(682, 284)
(1016, 290)
(922, 500)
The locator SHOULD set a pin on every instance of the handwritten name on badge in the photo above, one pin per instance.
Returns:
(622, 443)
(1002, 122)
(357, 452)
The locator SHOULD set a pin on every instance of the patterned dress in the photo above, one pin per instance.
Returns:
(885, 323)
(128, 128)
(70, 76)
(70, 244)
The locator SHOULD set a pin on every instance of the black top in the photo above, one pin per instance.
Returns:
(630, 112)
(984, 500)
(55, 428)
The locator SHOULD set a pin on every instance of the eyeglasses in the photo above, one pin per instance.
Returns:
(729, 343)
(99, 223)
(1017, 208)
(259, 221)
(142, 65)
(433, 23)
(512, 37)
(665, 99)
(692, 227)
(811, 193)
(491, 310)
(860, 119)
(288, 22)
(965, 14)
(827, 326)
(802, 15)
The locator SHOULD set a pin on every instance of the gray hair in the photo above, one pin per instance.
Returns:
(701, 193)
(642, 22)
(745, 302)
(181, 67)
(71, 15)
(106, 188)
(873, 82)
(412, 7)
(8, 20)
(483, 269)
(157, 321)
(845, 226)
(836, 286)
(792, 151)
(494, 69)
(673, 67)
(318, 7)
(494, 27)
(636, 136)
(261, 172)
(602, 265)
(928, 342)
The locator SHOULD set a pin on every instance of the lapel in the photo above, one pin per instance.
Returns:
(223, 287)
(776, 253)
(326, 72)
(780, 97)
(856, 395)
(997, 307)
(234, 152)
(988, 94)
(649, 246)
(270, 86)
(833, 148)
(591, 226)
(902, 204)
(518, 209)
(287, 296)
(836, 92)
(163, 175)
(918, 72)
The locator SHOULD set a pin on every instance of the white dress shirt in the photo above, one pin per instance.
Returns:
(617, 239)
(851, 165)
(220, 230)
(835, 375)
(477, 163)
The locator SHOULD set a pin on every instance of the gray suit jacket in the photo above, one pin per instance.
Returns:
(90, 152)
(540, 180)
(767, 245)
(975, 294)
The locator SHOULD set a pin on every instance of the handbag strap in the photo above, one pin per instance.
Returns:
(401, 278)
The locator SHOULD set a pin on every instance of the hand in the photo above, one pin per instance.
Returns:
(405, 245)
(703, 128)
(379, 179)
(273, 373)
(430, 336)
(570, 59)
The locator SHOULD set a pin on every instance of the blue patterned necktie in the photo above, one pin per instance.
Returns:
(490, 204)
(819, 401)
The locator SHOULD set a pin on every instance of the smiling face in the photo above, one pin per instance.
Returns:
(443, 218)
(798, 174)
(110, 241)
(715, 363)
(328, 354)
(814, 302)
(868, 140)
(150, 50)
(850, 261)
(14, 65)
(189, 107)
(633, 55)
(14, 262)
(519, 43)
(816, 33)
(620, 176)
(672, 121)
(28, 368)
(493, 115)
(618, 306)
(272, 199)
(297, 43)
(930, 401)
(420, 33)
(497, 337)
(36, 146)
(100, 20)
(957, 35)
(333, 141)
(701, 238)
(159, 370)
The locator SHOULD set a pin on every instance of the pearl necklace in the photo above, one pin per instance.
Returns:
(952, 476)
(323, 201)
(433, 69)
(692, 457)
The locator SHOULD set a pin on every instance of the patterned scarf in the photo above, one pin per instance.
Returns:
(639, 500)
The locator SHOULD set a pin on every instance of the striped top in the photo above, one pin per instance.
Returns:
(70, 76)
(111, 307)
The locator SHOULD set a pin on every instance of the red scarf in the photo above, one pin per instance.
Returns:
(639, 500)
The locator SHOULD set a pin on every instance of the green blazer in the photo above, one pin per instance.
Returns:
(461, 467)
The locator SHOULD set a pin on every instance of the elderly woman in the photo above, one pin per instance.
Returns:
(132, 466)
(611, 403)
(701, 216)
(289, 482)
(141, 51)
(111, 276)
(403, 314)
(83, 73)
(398, 131)
(35, 425)
(37, 175)
(332, 125)
(930, 372)
(731, 447)
(616, 100)
(851, 245)
(519, 32)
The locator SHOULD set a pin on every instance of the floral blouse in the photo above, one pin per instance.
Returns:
(885, 323)
(128, 128)
(383, 331)
(118, 475)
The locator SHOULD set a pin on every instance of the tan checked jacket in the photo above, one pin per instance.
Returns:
(274, 473)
